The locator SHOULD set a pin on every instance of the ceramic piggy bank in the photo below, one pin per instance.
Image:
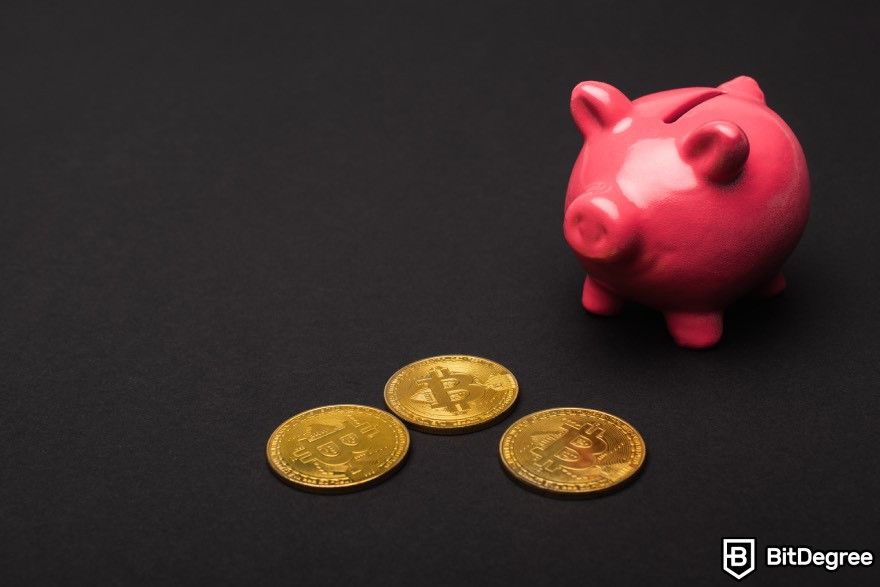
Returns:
(684, 201)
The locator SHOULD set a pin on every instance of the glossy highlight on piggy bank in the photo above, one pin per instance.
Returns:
(684, 201)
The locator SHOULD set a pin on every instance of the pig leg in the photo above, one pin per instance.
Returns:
(771, 288)
(598, 300)
(695, 330)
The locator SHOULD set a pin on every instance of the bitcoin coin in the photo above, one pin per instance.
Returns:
(571, 451)
(337, 448)
(451, 394)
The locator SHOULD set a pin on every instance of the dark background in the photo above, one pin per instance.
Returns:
(214, 217)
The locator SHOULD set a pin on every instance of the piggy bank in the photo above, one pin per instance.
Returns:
(684, 201)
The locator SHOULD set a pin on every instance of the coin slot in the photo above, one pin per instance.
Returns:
(690, 104)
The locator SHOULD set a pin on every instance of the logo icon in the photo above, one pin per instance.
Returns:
(445, 390)
(579, 446)
(334, 449)
(738, 557)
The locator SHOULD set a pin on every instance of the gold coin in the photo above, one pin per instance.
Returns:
(337, 448)
(451, 394)
(572, 451)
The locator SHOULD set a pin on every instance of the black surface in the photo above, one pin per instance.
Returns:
(214, 218)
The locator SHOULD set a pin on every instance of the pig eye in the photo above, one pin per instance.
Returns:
(689, 104)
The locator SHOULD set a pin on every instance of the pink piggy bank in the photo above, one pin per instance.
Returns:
(684, 201)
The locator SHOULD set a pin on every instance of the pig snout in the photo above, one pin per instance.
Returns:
(599, 229)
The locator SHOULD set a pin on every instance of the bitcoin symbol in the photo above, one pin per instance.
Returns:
(336, 449)
(579, 447)
(453, 392)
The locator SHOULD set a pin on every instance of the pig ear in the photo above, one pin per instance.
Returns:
(745, 86)
(716, 150)
(597, 105)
